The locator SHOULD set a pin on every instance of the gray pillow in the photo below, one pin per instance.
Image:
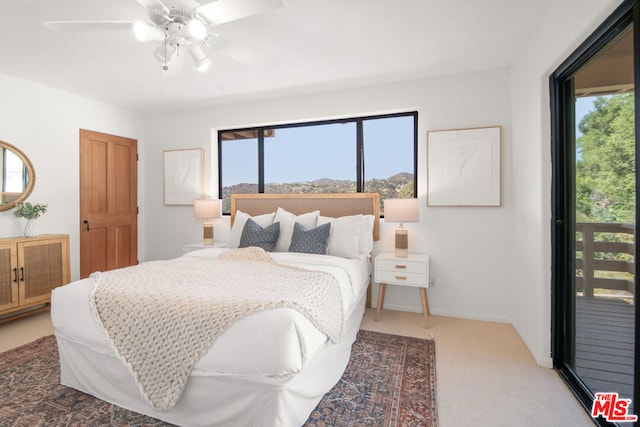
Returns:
(254, 235)
(312, 241)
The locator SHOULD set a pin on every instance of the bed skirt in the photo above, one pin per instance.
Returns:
(215, 399)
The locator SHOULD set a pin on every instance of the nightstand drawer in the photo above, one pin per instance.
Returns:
(401, 266)
(401, 278)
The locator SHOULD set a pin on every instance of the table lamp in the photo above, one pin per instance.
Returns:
(207, 210)
(401, 210)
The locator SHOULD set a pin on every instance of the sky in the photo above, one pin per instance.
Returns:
(583, 106)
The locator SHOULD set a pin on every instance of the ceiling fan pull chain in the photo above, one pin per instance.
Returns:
(164, 67)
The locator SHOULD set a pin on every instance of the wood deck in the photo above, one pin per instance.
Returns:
(605, 349)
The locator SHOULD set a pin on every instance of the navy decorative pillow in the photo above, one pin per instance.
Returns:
(254, 235)
(312, 241)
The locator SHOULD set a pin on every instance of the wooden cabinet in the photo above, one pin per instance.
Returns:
(29, 269)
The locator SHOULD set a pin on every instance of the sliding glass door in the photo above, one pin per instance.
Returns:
(595, 214)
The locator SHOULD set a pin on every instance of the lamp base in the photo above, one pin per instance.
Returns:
(402, 242)
(207, 234)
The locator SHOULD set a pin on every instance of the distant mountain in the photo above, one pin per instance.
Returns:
(398, 185)
(401, 176)
(323, 181)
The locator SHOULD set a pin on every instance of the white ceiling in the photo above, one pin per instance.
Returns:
(305, 46)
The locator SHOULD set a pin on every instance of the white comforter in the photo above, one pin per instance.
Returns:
(272, 343)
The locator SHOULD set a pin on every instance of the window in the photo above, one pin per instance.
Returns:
(388, 156)
(594, 128)
(365, 154)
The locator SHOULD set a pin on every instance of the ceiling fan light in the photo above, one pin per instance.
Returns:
(146, 32)
(164, 53)
(203, 65)
(197, 29)
(202, 62)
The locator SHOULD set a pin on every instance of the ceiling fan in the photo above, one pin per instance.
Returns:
(179, 25)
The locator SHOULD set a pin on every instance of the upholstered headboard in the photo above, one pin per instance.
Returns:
(329, 204)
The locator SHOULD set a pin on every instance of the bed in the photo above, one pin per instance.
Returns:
(269, 367)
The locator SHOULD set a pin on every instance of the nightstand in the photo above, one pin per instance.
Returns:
(410, 271)
(195, 246)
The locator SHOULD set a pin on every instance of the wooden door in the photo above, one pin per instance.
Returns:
(108, 202)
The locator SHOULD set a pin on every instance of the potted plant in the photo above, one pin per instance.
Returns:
(30, 212)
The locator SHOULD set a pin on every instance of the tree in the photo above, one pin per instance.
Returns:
(605, 165)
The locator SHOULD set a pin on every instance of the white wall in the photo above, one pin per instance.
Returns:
(565, 25)
(44, 123)
(470, 248)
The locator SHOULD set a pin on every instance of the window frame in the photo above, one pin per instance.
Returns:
(359, 146)
(562, 112)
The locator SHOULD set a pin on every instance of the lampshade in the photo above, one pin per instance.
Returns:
(201, 60)
(197, 29)
(145, 32)
(207, 209)
(164, 52)
(401, 210)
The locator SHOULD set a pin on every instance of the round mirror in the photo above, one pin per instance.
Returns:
(17, 176)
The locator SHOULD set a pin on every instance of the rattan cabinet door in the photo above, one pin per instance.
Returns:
(42, 268)
(8, 276)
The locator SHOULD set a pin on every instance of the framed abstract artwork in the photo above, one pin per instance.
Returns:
(464, 167)
(183, 176)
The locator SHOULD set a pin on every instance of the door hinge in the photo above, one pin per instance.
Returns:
(137, 210)
(137, 157)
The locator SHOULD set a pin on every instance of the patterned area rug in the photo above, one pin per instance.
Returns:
(390, 381)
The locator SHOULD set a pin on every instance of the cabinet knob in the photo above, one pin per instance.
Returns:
(22, 274)
(15, 274)
(401, 266)
(401, 277)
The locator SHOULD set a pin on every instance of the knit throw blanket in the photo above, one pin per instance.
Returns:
(162, 316)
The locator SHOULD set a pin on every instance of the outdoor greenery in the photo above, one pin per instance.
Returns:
(605, 164)
(605, 177)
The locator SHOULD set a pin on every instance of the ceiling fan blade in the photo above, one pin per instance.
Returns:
(154, 5)
(79, 26)
(221, 11)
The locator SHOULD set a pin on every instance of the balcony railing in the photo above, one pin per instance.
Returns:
(608, 257)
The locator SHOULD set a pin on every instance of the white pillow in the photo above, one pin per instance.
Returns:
(287, 220)
(238, 225)
(366, 234)
(344, 235)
